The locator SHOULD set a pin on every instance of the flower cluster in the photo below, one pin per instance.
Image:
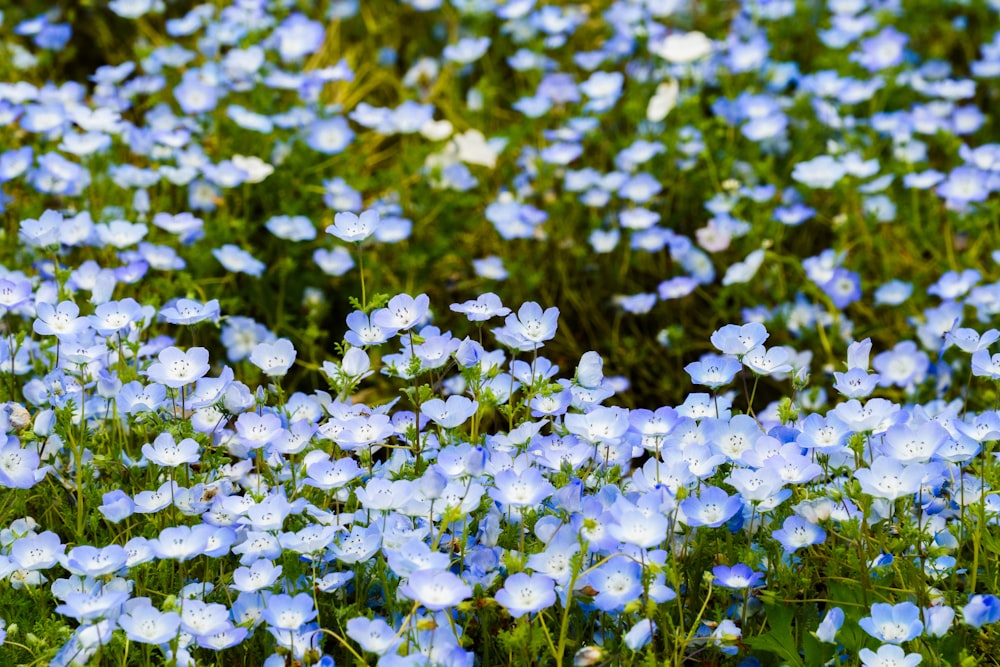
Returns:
(210, 450)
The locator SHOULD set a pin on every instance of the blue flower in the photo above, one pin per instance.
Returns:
(524, 593)
(828, 627)
(889, 655)
(435, 589)
(980, 610)
(737, 577)
(796, 533)
(894, 624)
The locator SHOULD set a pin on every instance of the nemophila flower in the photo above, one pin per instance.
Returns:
(903, 366)
(37, 552)
(712, 507)
(828, 627)
(638, 527)
(86, 560)
(524, 593)
(970, 341)
(145, 624)
(147, 502)
(890, 478)
(334, 262)
(915, 443)
(373, 635)
(855, 383)
(617, 582)
(257, 430)
(938, 620)
(435, 589)
(18, 466)
(165, 452)
(354, 228)
(120, 233)
(756, 485)
(402, 312)
(466, 50)
(415, 555)
(14, 292)
(882, 51)
(490, 267)
(821, 173)
(176, 368)
(965, 185)
(237, 260)
(520, 489)
(889, 655)
(875, 414)
(737, 577)
(601, 424)
(796, 533)
(186, 311)
(738, 340)
(985, 365)
(451, 413)
(329, 136)
(531, 325)
(894, 624)
(15, 162)
(762, 361)
(114, 316)
(484, 307)
(980, 610)
(285, 612)
(62, 320)
(297, 36)
(225, 636)
(194, 95)
(89, 606)
(843, 287)
(273, 359)
(116, 506)
(291, 228)
(182, 543)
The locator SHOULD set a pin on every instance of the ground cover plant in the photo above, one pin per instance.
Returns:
(499, 333)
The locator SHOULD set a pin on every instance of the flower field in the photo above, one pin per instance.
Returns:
(500, 332)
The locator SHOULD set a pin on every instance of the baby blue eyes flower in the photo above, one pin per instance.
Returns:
(980, 610)
(531, 327)
(116, 506)
(738, 577)
(712, 507)
(274, 359)
(145, 624)
(796, 533)
(490, 267)
(524, 593)
(297, 37)
(402, 312)
(237, 260)
(893, 624)
(828, 627)
(167, 453)
(738, 340)
(176, 368)
(354, 228)
(435, 589)
(822, 172)
(373, 635)
(466, 50)
(889, 655)
(329, 136)
(484, 307)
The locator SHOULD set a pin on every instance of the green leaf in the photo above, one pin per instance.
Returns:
(779, 640)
